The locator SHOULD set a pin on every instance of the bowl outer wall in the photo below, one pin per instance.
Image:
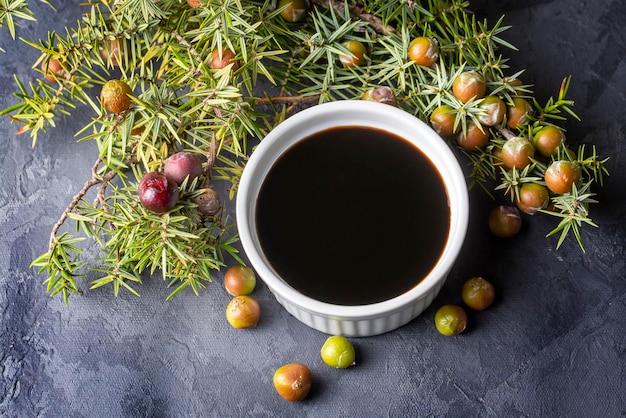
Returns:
(351, 113)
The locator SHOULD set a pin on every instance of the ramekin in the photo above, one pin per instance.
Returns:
(359, 320)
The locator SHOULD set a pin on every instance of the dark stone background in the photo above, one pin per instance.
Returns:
(554, 344)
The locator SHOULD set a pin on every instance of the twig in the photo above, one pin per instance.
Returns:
(506, 133)
(94, 180)
(287, 99)
(191, 49)
(358, 13)
(210, 161)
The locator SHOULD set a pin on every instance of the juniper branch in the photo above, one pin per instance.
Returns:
(93, 181)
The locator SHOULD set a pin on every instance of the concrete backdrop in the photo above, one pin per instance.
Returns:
(554, 344)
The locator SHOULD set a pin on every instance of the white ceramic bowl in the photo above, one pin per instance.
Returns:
(360, 320)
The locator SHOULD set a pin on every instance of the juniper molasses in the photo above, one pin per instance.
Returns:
(352, 216)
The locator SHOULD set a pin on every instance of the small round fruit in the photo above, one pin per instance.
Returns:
(295, 11)
(209, 202)
(442, 120)
(383, 95)
(548, 139)
(293, 381)
(517, 152)
(561, 175)
(475, 136)
(243, 312)
(52, 70)
(469, 85)
(518, 113)
(157, 193)
(113, 51)
(532, 198)
(115, 96)
(424, 51)
(356, 56)
(338, 352)
(495, 109)
(138, 130)
(514, 83)
(451, 320)
(239, 280)
(505, 221)
(478, 293)
(181, 165)
(194, 3)
(497, 155)
(223, 58)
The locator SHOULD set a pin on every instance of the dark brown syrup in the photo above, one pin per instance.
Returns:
(352, 216)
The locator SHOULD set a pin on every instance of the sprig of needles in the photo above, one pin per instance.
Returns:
(163, 48)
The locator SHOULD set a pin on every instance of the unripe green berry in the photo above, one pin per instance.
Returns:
(338, 352)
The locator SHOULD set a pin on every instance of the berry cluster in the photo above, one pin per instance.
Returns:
(507, 135)
(212, 82)
(512, 153)
(159, 192)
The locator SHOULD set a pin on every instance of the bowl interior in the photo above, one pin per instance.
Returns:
(351, 113)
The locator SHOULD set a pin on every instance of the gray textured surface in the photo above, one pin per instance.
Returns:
(554, 344)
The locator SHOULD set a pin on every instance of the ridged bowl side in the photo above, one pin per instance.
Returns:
(361, 327)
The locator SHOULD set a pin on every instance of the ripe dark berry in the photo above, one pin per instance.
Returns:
(181, 165)
(157, 193)
(424, 51)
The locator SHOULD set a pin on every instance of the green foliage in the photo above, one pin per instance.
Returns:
(14, 11)
(163, 49)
